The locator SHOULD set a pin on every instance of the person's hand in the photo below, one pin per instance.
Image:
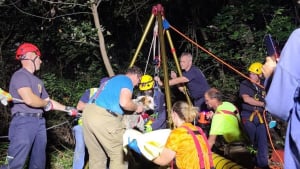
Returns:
(173, 74)
(269, 67)
(209, 115)
(3, 100)
(157, 79)
(140, 108)
(72, 111)
(49, 106)
(5, 97)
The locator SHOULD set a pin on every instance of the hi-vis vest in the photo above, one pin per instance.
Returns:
(92, 92)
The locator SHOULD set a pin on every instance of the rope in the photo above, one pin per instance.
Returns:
(148, 58)
(270, 139)
(153, 43)
(49, 128)
(216, 57)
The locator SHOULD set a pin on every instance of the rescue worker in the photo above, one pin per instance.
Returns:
(186, 143)
(193, 77)
(153, 119)
(225, 120)
(252, 113)
(103, 128)
(27, 130)
(285, 88)
(156, 120)
(79, 153)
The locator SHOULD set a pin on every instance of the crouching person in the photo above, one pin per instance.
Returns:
(187, 143)
(102, 120)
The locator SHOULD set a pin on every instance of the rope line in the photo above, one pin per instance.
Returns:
(216, 57)
(270, 139)
(49, 128)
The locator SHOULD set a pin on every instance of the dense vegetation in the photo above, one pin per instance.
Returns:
(232, 30)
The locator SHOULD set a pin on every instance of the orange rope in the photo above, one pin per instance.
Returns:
(217, 58)
(270, 139)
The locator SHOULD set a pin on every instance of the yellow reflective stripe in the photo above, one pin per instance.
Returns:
(80, 121)
(92, 91)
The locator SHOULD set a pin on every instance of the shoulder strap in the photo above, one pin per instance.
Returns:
(241, 126)
(95, 96)
(199, 150)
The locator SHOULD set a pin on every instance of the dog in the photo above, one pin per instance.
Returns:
(146, 101)
(136, 121)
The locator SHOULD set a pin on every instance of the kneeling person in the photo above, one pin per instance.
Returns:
(225, 121)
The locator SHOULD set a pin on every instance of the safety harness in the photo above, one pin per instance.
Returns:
(259, 116)
(259, 93)
(199, 149)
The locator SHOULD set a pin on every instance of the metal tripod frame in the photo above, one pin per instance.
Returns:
(158, 12)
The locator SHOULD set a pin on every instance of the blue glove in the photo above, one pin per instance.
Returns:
(133, 145)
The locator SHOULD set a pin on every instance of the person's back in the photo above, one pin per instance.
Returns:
(184, 145)
(197, 85)
(102, 120)
(225, 122)
(187, 143)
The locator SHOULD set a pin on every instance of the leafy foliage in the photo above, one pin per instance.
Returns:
(235, 37)
(64, 31)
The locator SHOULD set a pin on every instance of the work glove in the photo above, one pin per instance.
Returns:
(5, 97)
(72, 111)
(49, 106)
(134, 146)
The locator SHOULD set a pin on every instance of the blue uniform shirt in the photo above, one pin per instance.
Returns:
(23, 78)
(109, 97)
(197, 84)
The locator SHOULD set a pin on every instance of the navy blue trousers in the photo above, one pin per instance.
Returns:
(257, 133)
(27, 135)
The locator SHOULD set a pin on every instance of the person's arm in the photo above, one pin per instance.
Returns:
(212, 140)
(127, 103)
(172, 82)
(165, 157)
(178, 80)
(250, 100)
(80, 105)
(30, 98)
(58, 106)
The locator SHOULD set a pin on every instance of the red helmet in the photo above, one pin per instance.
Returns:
(26, 47)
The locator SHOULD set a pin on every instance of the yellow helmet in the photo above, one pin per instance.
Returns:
(146, 83)
(256, 68)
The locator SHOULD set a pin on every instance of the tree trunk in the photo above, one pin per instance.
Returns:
(101, 41)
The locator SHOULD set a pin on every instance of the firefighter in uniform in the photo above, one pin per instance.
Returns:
(252, 113)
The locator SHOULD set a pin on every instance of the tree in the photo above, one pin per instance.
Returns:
(94, 8)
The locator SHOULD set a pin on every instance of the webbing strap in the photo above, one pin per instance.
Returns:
(199, 150)
(244, 135)
(95, 96)
(256, 113)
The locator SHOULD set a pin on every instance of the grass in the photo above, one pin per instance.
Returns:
(57, 158)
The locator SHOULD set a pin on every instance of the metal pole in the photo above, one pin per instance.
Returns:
(164, 63)
(142, 40)
(178, 66)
